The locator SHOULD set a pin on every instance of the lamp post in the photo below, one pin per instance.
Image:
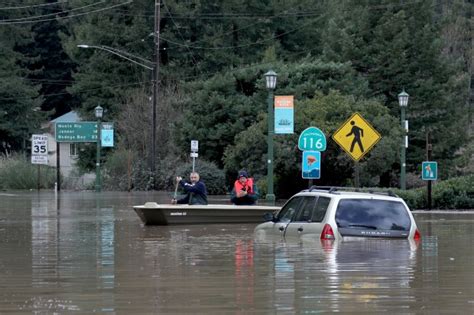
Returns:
(153, 66)
(403, 102)
(99, 111)
(270, 79)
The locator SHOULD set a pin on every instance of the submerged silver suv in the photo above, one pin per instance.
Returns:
(334, 214)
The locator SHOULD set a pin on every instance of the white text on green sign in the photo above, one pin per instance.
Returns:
(312, 139)
(80, 131)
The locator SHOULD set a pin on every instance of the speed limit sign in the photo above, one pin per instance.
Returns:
(39, 145)
(39, 149)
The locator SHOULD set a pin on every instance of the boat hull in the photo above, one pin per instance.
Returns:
(152, 213)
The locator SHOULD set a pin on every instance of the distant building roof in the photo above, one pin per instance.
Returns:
(68, 117)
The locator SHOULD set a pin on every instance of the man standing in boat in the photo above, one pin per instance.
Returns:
(245, 191)
(196, 192)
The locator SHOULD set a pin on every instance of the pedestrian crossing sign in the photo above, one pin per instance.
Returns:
(429, 170)
(356, 136)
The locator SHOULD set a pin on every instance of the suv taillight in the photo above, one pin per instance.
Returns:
(417, 235)
(327, 233)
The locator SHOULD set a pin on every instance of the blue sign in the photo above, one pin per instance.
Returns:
(312, 139)
(107, 137)
(429, 170)
(311, 165)
(284, 120)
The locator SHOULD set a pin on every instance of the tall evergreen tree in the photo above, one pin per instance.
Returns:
(20, 113)
(400, 49)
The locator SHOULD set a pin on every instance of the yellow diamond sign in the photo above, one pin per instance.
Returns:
(356, 136)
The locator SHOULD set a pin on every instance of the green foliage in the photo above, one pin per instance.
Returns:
(454, 193)
(399, 48)
(124, 170)
(19, 99)
(213, 55)
(328, 113)
(18, 173)
(209, 173)
(223, 106)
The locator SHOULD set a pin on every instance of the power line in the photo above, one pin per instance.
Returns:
(34, 5)
(52, 14)
(244, 45)
(69, 16)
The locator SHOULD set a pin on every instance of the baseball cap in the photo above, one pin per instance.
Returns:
(243, 174)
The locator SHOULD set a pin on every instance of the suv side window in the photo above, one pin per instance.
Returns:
(305, 209)
(320, 210)
(288, 210)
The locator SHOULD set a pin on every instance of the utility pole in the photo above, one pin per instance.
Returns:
(155, 74)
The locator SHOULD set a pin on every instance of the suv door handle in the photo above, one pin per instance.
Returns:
(300, 229)
(281, 228)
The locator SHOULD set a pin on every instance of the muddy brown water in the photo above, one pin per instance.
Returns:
(82, 252)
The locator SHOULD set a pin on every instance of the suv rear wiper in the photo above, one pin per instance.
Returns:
(363, 225)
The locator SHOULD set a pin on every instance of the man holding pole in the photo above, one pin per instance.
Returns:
(196, 192)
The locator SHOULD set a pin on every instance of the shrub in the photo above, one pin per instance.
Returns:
(212, 176)
(455, 193)
(16, 172)
(124, 170)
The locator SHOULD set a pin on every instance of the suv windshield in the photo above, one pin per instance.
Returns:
(370, 214)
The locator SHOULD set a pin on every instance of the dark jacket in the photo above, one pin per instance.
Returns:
(249, 199)
(196, 194)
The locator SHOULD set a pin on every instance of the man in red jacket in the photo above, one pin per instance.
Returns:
(245, 191)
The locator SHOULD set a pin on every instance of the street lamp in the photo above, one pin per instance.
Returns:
(270, 79)
(99, 111)
(403, 101)
(153, 66)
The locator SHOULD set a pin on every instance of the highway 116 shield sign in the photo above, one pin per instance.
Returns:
(356, 136)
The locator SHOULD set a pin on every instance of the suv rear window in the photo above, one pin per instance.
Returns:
(390, 217)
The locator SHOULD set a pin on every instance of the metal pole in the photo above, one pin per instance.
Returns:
(403, 152)
(58, 167)
(39, 176)
(155, 73)
(270, 196)
(356, 175)
(429, 148)
(97, 169)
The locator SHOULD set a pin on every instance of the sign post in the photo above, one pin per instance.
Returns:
(39, 149)
(39, 153)
(194, 150)
(429, 170)
(311, 164)
(311, 141)
(284, 113)
(357, 137)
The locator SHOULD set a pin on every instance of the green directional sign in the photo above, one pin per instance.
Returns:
(312, 139)
(76, 131)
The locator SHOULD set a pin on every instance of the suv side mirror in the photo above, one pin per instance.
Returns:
(269, 217)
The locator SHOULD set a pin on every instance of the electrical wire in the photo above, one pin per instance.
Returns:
(33, 6)
(69, 16)
(53, 14)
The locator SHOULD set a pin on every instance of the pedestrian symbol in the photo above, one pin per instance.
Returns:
(429, 170)
(356, 136)
(358, 133)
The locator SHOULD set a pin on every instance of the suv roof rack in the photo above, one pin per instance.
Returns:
(335, 189)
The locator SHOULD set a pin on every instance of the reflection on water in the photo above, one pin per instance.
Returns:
(85, 253)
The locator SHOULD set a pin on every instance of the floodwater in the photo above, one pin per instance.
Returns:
(82, 252)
